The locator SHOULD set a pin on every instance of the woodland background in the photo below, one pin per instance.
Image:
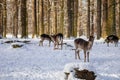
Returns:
(73, 18)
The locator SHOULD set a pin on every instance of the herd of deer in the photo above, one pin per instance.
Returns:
(80, 44)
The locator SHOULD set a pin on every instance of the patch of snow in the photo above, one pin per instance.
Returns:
(34, 62)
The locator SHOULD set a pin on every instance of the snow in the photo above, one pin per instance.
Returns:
(34, 62)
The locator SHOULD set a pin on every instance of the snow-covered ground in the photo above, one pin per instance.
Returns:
(34, 62)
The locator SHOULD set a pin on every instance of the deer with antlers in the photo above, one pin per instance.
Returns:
(81, 44)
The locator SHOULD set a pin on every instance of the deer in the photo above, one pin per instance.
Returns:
(44, 37)
(112, 39)
(81, 44)
(57, 39)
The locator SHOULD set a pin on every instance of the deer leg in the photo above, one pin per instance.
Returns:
(49, 43)
(88, 56)
(54, 45)
(84, 56)
(61, 46)
(41, 43)
(78, 55)
(57, 45)
(116, 44)
(75, 54)
(108, 44)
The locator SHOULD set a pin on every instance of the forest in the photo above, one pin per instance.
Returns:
(73, 18)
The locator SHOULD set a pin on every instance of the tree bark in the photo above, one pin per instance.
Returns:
(15, 25)
(70, 18)
(62, 17)
(48, 16)
(92, 19)
(88, 19)
(114, 18)
(119, 21)
(75, 18)
(24, 18)
(42, 16)
(98, 19)
(1, 18)
(35, 20)
(104, 18)
(55, 16)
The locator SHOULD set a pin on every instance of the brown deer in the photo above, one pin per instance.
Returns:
(81, 44)
(44, 37)
(57, 39)
(112, 39)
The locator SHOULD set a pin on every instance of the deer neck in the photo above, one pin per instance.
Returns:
(90, 43)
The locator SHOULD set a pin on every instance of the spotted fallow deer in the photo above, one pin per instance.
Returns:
(44, 37)
(81, 44)
(112, 39)
(57, 39)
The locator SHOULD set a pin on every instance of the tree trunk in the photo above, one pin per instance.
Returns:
(24, 18)
(62, 17)
(79, 27)
(35, 20)
(75, 18)
(42, 16)
(92, 19)
(15, 29)
(114, 18)
(88, 19)
(104, 18)
(38, 17)
(1, 18)
(70, 18)
(111, 26)
(119, 21)
(48, 16)
(55, 16)
(98, 19)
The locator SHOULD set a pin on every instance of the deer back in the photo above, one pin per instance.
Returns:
(45, 37)
(83, 44)
(57, 37)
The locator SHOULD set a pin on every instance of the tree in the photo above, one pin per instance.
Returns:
(35, 19)
(1, 18)
(55, 16)
(111, 23)
(88, 19)
(70, 12)
(75, 18)
(92, 19)
(24, 18)
(98, 19)
(114, 17)
(119, 21)
(79, 22)
(42, 16)
(62, 16)
(15, 19)
(104, 18)
(48, 16)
